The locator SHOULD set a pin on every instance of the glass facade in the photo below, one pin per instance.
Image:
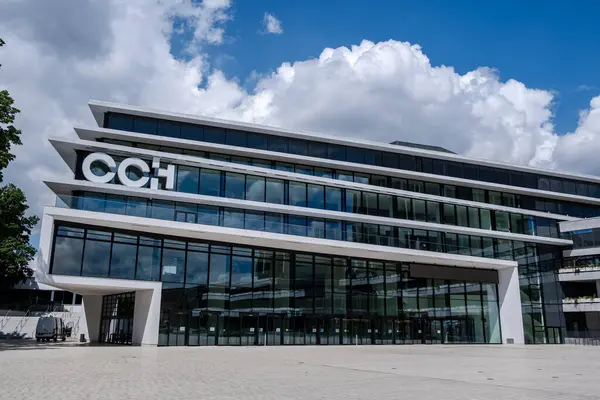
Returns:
(584, 238)
(216, 293)
(352, 154)
(224, 294)
(278, 191)
(436, 189)
(376, 234)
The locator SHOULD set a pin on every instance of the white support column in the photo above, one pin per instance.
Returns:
(146, 316)
(509, 297)
(93, 311)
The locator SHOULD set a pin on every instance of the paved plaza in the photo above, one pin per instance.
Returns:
(69, 371)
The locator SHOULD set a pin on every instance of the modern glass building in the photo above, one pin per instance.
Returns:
(185, 230)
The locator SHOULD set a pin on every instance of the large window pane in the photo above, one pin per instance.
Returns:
(169, 128)
(214, 135)
(275, 191)
(123, 260)
(257, 141)
(187, 179)
(473, 217)
(234, 185)
(255, 188)
(335, 152)
(233, 218)
(333, 230)
(317, 149)
(192, 132)
(278, 143)
(274, 223)
(208, 215)
(173, 264)
(353, 201)
(316, 196)
(370, 203)
(148, 262)
(163, 210)
(403, 210)
(219, 270)
(304, 273)
(298, 146)
(144, 125)
(386, 207)
(255, 220)
(210, 182)
(461, 216)
(297, 226)
(93, 202)
(502, 221)
(316, 228)
(297, 193)
(120, 122)
(419, 213)
(433, 211)
(333, 199)
(353, 232)
(235, 138)
(137, 207)
(95, 260)
(115, 204)
(449, 214)
(241, 272)
(486, 219)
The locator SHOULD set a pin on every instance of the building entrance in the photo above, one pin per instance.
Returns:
(116, 319)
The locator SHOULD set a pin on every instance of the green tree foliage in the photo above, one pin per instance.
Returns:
(15, 230)
(15, 227)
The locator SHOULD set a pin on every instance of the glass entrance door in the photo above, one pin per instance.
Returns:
(249, 330)
(178, 331)
(357, 331)
(312, 334)
(333, 331)
(116, 318)
(203, 328)
(384, 333)
(435, 331)
(274, 329)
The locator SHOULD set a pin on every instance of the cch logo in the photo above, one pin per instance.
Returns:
(126, 165)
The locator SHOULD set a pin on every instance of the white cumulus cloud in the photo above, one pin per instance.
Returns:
(272, 24)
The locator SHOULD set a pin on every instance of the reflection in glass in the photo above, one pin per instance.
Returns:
(234, 185)
(173, 265)
(333, 199)
(122, 261)
(95, 259)
(255, 188)
(197, 268)
(148, 263)
(67, 256)
(297, 194)
(275, 191)
(187, 179)
(316, 196)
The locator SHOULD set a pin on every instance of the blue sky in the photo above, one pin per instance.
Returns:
(551, 45)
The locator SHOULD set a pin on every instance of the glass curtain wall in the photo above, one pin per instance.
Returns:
(220, 294)
(352, 154)
(260, 189)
